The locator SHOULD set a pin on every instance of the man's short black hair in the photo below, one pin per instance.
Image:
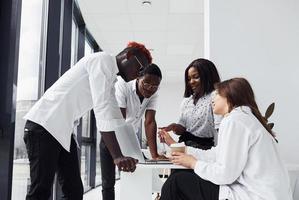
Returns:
(152, 69)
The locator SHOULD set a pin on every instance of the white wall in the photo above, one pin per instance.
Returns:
(170, 97)
(259, 40)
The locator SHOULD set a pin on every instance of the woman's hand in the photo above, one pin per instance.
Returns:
(160, 157)
(183, 159)
(165, 137)
(176, 128)
(170, 127)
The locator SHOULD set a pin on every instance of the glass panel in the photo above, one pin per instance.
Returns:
(86, 117)
(98, 161)
(74, 47)
(85, 166)
(28, 91)
(86, 125)
(88, 49)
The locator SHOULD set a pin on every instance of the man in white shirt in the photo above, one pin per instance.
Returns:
(135, 99)
(50, 122)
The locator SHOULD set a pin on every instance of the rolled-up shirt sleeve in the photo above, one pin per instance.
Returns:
(102, 80)
(152, 104)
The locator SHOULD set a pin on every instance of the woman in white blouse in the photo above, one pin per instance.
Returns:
(196, 124)
(245, 165)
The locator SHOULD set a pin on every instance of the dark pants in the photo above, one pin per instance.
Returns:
(196, 142)
(46, 157)
(186, 185)
(108, 172)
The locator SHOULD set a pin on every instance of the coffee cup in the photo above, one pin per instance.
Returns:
(178, 147)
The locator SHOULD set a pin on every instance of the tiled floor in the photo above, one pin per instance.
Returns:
(95, 194)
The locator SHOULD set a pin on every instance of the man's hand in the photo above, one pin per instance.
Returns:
(183, 159)
(126, 164)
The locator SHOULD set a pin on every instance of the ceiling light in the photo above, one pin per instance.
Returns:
(146, 2)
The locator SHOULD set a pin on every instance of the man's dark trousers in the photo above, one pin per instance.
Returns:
(46, 157)
(108, 172)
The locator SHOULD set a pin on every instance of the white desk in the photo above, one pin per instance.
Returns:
(138, 185)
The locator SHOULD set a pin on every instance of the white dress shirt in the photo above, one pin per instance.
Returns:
(246, 162)
(128, 98)
(88, 85)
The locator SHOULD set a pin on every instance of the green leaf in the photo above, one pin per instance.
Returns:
(270, 125)
(269, 110)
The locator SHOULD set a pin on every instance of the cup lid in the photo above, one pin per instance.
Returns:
(178, 145)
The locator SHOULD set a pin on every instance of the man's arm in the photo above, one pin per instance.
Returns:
(123, 163)
(150, 131)
(106, 110)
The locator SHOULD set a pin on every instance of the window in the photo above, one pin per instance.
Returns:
(85, 166)
(30, 75)
(98, 180)
(86, 125)
(87, 140)
(74, 47)
(88, 48)
(98, 161)
(63, 25)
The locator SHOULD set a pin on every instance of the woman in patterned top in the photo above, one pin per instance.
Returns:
(196, 125)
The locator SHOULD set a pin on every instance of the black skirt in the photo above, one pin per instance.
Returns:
(196, 142)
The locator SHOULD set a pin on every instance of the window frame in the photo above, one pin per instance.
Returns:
(53, 62)
(10, 21)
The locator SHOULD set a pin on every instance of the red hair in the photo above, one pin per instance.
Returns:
(142, 49)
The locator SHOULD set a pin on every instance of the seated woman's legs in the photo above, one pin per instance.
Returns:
(186, 185)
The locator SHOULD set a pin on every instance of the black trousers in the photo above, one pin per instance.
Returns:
(186, 185)
(46, 157)
(197, 142)
(108, 172)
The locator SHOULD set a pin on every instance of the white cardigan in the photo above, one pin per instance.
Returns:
(246, 162)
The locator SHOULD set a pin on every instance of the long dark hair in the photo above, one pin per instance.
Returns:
(238, 92)
(208, 75)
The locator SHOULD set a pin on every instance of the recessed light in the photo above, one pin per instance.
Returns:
(146, 3)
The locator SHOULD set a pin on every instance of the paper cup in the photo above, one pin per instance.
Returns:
(178, 147)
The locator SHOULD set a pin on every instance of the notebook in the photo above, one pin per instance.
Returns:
(129, 145)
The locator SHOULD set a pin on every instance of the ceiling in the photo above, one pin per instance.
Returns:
(172, 29)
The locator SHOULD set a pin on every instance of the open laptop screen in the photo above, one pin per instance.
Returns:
(129, 145)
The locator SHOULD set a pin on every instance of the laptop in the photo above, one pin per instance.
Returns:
(129, 145)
